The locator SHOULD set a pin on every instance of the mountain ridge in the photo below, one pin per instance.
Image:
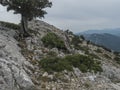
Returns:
(107, 40)
(115, 31)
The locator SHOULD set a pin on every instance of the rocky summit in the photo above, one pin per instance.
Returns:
(52, 59)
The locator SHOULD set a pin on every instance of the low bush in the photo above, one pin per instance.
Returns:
(52, 54)
(107, 56)
(84, 63)
(117, 59)
(56, 64)
(93, 55)
(52, 40)
(83, 48)
(117, 53)
(76, 41)
(82, 37)
(98, 51)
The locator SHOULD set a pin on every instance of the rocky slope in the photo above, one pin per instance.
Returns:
(12, 64)
(20, 68)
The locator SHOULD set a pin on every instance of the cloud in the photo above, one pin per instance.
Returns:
(79, 15)
(8, 16)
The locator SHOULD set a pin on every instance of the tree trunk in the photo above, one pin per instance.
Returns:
(24, 27)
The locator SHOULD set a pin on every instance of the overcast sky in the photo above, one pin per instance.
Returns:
(78, 15)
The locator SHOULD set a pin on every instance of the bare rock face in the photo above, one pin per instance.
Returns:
(12, 73)
(112, 72)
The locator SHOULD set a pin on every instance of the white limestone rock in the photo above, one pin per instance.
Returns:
(12, 73)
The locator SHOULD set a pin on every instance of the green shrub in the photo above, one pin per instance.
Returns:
(107, 56)
(93, 55)
(82, 37)
(117, 53)
(83, 48)
(10, 25)
(84, 63)
(52, 40)
(69, 32)
(56, 64)
(52, 53)
(87, 85)
(76, 41)
(117, 59)
(98, 51)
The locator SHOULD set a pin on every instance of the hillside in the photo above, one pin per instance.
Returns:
(107, 40)
(52, 59)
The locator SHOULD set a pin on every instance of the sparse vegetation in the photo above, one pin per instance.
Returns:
(76, 41)
(51, 53)
(56, 64)
(87, 85)
(69, 32)
(117, 59)
(14, 26)
(52, 40)
(107, 56)
(98, 51)
(10, 25)
(117, 53)
(105, 48)
(84, 48)
(82, 37)
(84, 63)
(93, 55)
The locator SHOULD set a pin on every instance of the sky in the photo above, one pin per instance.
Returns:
(77, 15)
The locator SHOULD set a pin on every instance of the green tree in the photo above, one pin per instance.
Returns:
(28, 9)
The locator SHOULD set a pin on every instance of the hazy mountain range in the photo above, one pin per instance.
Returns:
(110, 38)
(109, 31)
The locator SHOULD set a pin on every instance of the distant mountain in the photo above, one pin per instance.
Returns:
(109, 31)
(108, 40)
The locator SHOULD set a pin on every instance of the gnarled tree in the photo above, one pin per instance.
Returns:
(28, 9)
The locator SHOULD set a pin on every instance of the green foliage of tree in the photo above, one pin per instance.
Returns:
(28, 9)
(52, 40)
